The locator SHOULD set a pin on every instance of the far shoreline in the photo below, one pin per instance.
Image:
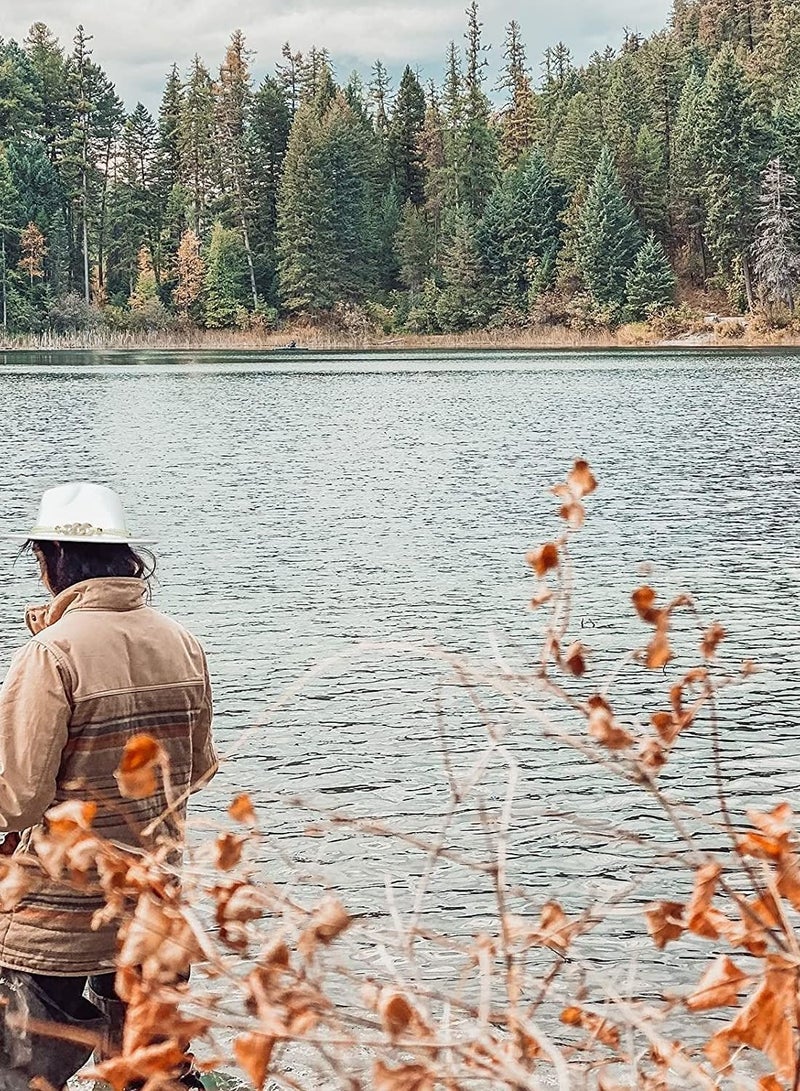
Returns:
(308, 340)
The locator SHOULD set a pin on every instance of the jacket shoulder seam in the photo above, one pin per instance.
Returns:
(177, 684)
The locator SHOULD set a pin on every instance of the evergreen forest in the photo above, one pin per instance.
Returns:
(559, 193)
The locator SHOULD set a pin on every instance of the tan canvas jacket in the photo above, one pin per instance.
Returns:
(102, 666)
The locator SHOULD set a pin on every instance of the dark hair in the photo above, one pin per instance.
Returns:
(68, 563)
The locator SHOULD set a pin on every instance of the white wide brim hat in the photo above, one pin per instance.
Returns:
(81, 512)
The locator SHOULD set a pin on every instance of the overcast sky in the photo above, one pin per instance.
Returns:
(136, 41)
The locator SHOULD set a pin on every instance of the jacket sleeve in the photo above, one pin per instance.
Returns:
(35, 712)
(204, 756)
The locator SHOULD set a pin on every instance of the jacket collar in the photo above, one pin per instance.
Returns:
(118, 593)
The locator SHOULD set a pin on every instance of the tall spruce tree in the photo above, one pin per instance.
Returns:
(404, 140)
(687, 176)
(476, 146)
(326, 253)
(234, 97)
(520, 124)
(609, 237)
(734, 141)
(519, 236)
(197, 146)
(650, 284)
(270, 122)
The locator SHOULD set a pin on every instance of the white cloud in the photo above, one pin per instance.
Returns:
(137, 43)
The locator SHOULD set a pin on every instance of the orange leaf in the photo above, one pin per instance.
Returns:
(397, 1014)
(665, 922)
(718, 987)
(718, 1050)
(407, 1077)
(241, 810)
(768, 1019)
(253, 1053)
(643, 599)
(653, 756)
(757, 844)
(136, 773)
(328, 920)
(575, 659)
(66, 819)
(711, 639)
(15, 882)
(163, 1059)
(789, 880)
(395, 1011)
(603, 727)
(769, 1083)
(600, 1028)
(669, 725)
(580, 479)
(750, 934)
(228, 850)
(555, 928)
(543, 559)
(775, 823)
(658, 652)
(705, 886)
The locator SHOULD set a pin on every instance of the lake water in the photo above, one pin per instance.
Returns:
(310, 508)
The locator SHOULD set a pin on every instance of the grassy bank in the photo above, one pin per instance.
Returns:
(723, 333)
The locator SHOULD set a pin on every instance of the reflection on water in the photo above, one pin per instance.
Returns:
(303, 504)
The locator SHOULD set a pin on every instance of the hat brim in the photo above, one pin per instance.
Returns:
(92, 539)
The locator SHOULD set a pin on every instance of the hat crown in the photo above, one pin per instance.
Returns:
(81, 509)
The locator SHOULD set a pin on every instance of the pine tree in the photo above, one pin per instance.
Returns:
(608, 237)
(325, 250)
(733, 139)
(57, 265)
(520, 124)
(649, 183)
(787, 128)
(289, 77)
(777, 246)
(167, 167)
(437, 176)
(405, 151)
(9, 221)
(270, 122)
(687, 190)
(199, 161)
(19, 102)
(379, 91)
(519, 236)
(650, 284)
(476, 146)
(145, 290)
(225, 282)
(233, 106)
(579, 142)
(459, 305)
(776, 58)
(79, 76)
(48, 62)
(39, 189)
(414, 247)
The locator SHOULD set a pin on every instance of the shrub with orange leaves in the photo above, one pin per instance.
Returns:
(308, 992)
